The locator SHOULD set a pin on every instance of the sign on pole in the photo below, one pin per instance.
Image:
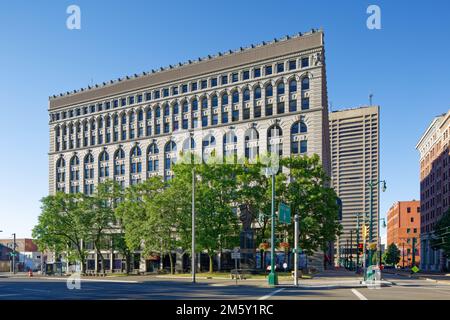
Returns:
(284, 213)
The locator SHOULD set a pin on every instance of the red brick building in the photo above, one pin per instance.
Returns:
(403, 229)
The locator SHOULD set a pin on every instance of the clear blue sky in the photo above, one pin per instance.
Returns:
(405, 64)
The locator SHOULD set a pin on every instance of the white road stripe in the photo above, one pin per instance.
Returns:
(92, 280)
(270, 294)
(359, 294)
(9, 295)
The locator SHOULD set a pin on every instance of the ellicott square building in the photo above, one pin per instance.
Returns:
(245, 102)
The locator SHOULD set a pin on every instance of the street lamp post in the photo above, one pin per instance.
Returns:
(371, 186)
(273, 278)
(357, 242)
(14, 254)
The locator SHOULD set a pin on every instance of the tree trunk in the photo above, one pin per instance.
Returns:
(211, 265)
(171, 263)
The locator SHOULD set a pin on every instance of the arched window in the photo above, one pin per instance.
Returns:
(257, 93)
(148, 124)
(74, 174)
(88, 174)
(170, 151)
(269, 91)
(132, 117)
(189, 145)
(157, 112)
(140, 115)
(229, 144)
(246, 95)
(235, 96)
(214, 101)
(208, 146)
(225, 99)
(251, 143)
(292, 86)
(153, 158)
(280, 88)
(275, 140)
(124, 118)
(204, 103)
(185, 107)
(60, 174)
(132, 130)
(166, 110)
(135, 165)
(305, 83)
(194, 105)
(103, 165)
(175, 108)
(119, 163)
(299, 144)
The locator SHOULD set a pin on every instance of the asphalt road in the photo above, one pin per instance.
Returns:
(43, 289)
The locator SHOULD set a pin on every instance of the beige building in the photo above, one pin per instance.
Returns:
(434, 150)
(243, 102)
(354, 136)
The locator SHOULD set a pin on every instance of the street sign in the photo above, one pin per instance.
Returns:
(415, 269)
(284, 213)
(235, 255)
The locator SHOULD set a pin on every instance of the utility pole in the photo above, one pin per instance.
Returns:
(413, 263)
(14, 254)
(193, 225)
(403, 255)
(296, 250)
(357, 242)
(371, 223)
(351, 249)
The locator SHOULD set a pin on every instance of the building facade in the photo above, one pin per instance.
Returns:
(433, 148)
(270, 96)
(403, 230)
(354, 139)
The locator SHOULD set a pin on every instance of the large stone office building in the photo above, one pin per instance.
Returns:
(247, 101)
(354, 136)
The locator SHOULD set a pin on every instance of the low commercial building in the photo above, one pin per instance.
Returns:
(403, 229)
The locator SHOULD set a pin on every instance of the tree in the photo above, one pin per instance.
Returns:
(441, 236)
(313, 200)
(62, 225)
(392, 255)
(101, 210)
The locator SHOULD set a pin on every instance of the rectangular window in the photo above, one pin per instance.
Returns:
(184, 88)
(246, 75)
(412, 219)
(305, 62)
(257, 73)
(165, 92)
(213, 82)
(257, 112)
(175, 126)
(305, 103)
(246, 113)
(408, 209)
(280, 67)
(215, 119)
(235, 115)
(149, 130)
(292, 105)
(204, 84)
(194, 123)
(174, 91)
(123, 102)
(156, 94)
(408, 230)
(131, 133)
(225, 117)
(131, 100)
(269, 110)
(292, 65)
(185, 124)
(158, 129)
(166, 127)
(303, 146)
(204, 121)
(234, 77)
(148, 96)
(280, 107)
(415, 230)
(268, 70)
(224, 80)
(194, 86)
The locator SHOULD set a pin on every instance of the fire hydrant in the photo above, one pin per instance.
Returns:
(30, 273)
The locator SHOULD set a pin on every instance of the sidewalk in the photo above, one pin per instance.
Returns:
(442, 278)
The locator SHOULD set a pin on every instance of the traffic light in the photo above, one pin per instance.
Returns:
(365, 231)
(360, 248)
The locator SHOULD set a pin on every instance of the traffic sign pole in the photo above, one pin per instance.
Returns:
(296, 250)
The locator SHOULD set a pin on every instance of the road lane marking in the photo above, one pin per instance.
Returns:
(270, 294)
(9, 294)
(92, 280)
(359, 294)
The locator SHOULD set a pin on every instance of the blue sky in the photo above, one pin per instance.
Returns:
(405, 64)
